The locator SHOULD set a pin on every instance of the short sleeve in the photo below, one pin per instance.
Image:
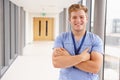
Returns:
(97, 45)
(58, 42)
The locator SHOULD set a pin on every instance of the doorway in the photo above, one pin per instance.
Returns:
(43, 28)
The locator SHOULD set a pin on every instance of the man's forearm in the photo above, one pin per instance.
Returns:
(93, 65)
(66, 61)
(88, 66)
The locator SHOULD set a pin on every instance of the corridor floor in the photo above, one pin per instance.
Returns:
(34, 64)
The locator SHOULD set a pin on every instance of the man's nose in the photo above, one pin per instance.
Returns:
(78, 19)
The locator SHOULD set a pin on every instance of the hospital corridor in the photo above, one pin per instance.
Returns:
(30, 28)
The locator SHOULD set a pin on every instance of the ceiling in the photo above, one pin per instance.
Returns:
(48, 6)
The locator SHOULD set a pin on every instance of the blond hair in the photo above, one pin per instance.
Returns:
(77, 7)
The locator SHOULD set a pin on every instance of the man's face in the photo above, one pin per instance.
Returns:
(78, 20)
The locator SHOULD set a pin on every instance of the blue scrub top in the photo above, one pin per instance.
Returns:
(92, 41)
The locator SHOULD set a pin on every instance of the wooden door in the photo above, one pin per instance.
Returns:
(43, 29)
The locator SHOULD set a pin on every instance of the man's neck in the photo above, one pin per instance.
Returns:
(78, 34)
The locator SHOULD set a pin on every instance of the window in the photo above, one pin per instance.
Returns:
(112, 45)
(8, 34)
(2, 56)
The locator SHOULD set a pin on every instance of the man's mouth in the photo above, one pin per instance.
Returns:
(78, 24)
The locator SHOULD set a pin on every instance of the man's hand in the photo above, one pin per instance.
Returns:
(85, 55)
(61, 52)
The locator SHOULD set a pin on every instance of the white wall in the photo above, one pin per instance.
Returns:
(29, 25)
(28, 28)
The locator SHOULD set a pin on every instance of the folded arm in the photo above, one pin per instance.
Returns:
(93, 65)
(62, 59)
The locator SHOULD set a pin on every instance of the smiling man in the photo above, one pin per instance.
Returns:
(78, 53)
